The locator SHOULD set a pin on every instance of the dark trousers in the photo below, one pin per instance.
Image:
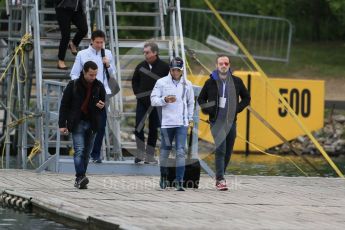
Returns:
(96, 151)
(224, 139)
(65, 17)
(142, 112)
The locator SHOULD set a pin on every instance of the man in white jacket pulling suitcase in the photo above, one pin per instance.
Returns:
(176, 97)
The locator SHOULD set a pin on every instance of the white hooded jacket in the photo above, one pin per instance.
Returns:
(181, 111)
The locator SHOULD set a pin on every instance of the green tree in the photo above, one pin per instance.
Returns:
(338, 9)
(312, 19)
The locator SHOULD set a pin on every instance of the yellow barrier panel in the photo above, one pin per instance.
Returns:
(273, 89)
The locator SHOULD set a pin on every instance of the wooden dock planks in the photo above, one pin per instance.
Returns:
(136, 202)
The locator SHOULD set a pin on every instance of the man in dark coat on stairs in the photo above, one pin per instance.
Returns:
(144, 78)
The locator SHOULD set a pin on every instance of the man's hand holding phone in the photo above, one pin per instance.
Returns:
(100, 104)
(170, 98)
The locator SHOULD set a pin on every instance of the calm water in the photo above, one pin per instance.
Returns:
(257, 164)
(263, 165)
(11, 219)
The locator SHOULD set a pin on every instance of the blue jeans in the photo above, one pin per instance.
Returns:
(224, 140)
(83, 138)
(168, 135)
(96, 152)
(140, 118)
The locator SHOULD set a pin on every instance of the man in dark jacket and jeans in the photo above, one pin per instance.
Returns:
(80, 113)
(219, 98)
(144, 79)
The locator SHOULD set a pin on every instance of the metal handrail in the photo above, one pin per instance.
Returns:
(179, 20)
(118, 98)
(39, 77)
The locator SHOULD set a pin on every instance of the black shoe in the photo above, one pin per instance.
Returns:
(81, 182)
(137, 160)
(163, 182)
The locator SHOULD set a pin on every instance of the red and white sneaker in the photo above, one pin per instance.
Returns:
(221, 185)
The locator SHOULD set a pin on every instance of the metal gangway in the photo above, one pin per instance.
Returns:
(31, 85)
(31, 120)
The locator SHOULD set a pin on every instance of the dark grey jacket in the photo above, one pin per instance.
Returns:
(145, 79)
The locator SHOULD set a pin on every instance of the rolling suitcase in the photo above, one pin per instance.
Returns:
(191, 175)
